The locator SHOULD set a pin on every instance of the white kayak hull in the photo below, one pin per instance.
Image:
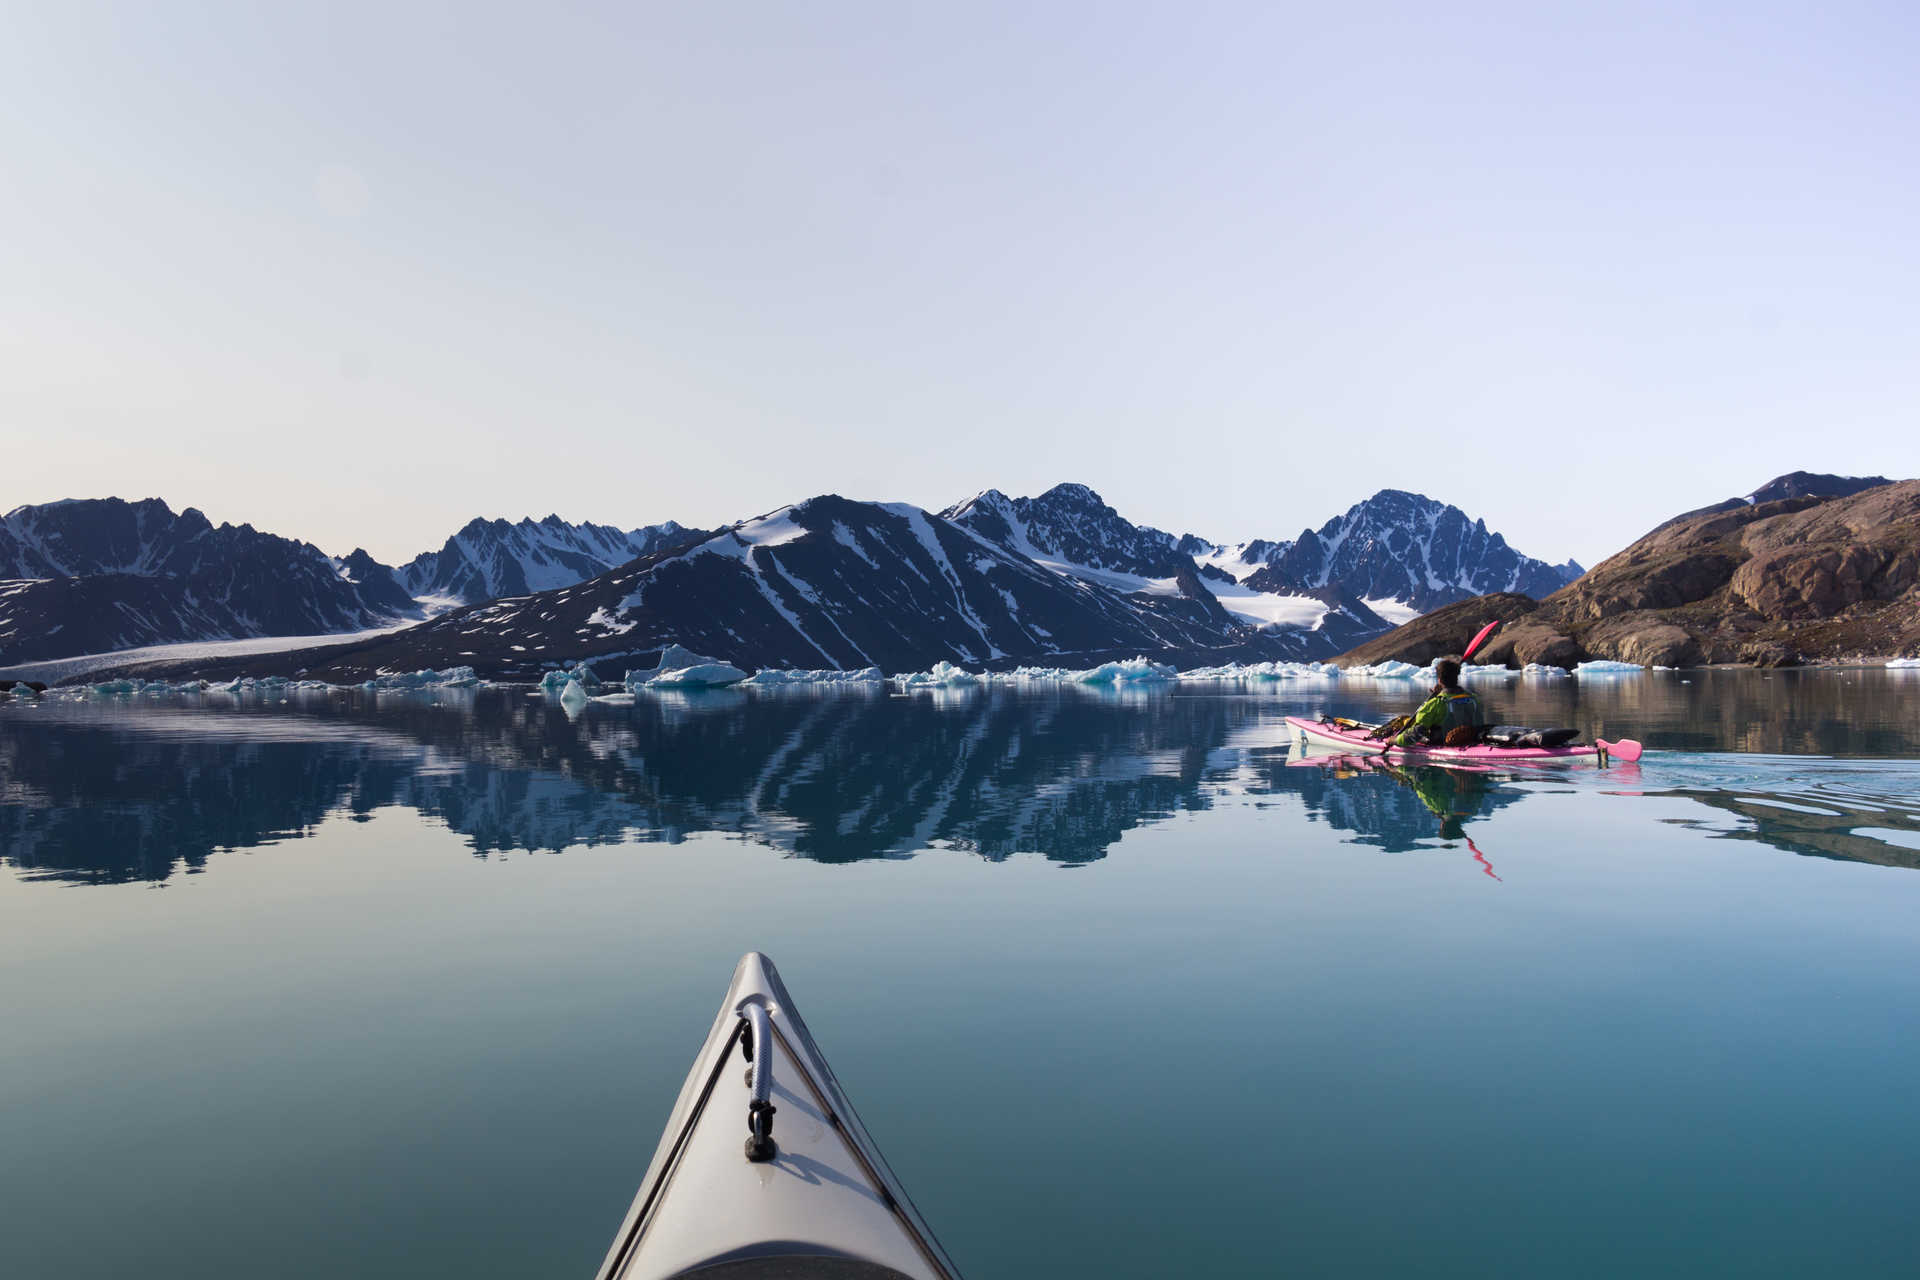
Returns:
(824, 1205)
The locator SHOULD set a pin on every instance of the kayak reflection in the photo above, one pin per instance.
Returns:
(1452, 796)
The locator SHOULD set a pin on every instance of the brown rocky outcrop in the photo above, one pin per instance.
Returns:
(1771, 584)
(1446, 630)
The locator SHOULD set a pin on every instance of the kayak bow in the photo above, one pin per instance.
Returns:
(764, 1171)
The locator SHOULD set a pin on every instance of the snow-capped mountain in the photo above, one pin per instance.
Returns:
(489, 559)
(98, 574)
(1238, 560)
(1071, 530)
(1408, 548)
(833, 583)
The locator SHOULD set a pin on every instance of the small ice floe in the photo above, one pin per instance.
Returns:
(1389, 670)
(773, 678)
(252, 684)
(1131, 671)
(944, 675)
(1235, 671)
(1606, 667)
(681, 668)
(581, 674)
(1904, 664)
(451, 678)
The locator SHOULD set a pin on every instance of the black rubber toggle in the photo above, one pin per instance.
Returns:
(760, 1144)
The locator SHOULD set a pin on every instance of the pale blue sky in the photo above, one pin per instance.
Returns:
(357, 273)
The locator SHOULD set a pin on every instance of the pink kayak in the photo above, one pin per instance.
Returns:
(1353, 737)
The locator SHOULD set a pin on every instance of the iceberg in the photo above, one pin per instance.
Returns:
(1389, 670)
(681, 668)
(1132, 671)
(581, 674)
(943, 676)
(451, 678)
(1606, 667)
(773, 678)
(1234, 671)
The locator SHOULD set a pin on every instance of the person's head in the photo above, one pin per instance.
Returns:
(1448, 670)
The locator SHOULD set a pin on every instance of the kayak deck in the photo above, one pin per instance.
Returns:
(1357, 740)
(823, 1206)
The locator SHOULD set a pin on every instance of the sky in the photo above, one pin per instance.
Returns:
(359, 273)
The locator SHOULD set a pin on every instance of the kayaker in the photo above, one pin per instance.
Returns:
(1451, 707)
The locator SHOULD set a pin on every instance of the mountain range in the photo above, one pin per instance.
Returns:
(489, 559)
(94, 575)
(828, 582)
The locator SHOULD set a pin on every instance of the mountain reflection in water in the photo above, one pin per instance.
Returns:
(108, 791)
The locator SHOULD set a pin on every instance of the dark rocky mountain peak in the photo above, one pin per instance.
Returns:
(1408, 547)
(491, 559)
(109, 574)
(1072, 527)
(1808, 484)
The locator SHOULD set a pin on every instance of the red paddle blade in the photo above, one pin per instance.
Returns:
(1480, 639)
(1626, 751)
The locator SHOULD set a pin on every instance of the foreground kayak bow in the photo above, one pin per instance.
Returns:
(764, 1171)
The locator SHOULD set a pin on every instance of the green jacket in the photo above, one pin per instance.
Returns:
(1443, 711)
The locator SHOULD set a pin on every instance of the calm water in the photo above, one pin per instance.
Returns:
(1122, 983)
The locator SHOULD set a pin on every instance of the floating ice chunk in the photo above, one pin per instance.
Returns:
(556, 681)
(451, 678)
(771, 678)
(1132, 671)
(1904, 664)
(108, 688)
(573, 698)
(23, 692)
(681, 668)
(943, 676)
(1606, 667)
(1235, 671)
(1542, 669)
(1389, 670)
(703, 675)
